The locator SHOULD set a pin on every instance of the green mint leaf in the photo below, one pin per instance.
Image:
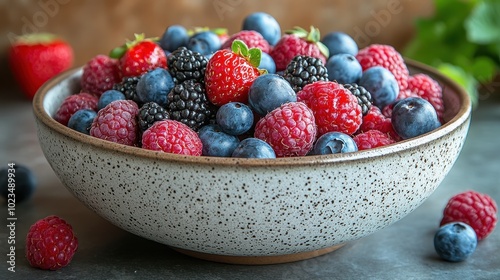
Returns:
(483, 69)
(483, 24)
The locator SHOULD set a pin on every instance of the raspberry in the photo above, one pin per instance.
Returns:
(387, 111)
(406, 93)
(251, 38)
(375, 120)
(73, 103)
(475, 209)
(100, 74)
(297, 42)
(387, 57)
(421, 85)
(335, 108)
(117, 122)
(50, 243)
(372, 139)
(289, 129)
(172, 137)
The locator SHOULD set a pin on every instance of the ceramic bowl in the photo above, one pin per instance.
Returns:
(250, 211)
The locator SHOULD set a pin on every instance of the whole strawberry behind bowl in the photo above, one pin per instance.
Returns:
(249, 210)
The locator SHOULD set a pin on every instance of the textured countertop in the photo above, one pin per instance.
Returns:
(403, 250)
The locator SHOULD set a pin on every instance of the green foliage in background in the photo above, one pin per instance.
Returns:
(462, 40)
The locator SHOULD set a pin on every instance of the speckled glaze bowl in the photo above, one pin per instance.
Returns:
(250, 211)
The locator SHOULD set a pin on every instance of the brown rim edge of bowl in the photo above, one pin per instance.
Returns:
(461, 116)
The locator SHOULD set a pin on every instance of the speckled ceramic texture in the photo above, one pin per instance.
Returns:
(250, 207)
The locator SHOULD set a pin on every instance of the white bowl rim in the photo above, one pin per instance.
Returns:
(462, 115)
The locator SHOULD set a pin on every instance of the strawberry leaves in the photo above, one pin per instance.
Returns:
(253, 55)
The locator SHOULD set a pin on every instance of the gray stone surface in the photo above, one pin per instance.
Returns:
(403, 250)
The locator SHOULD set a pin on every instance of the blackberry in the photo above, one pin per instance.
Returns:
(128, 87)
(188, 103)
(150, 113)
(185, 65)
(364, 97)
(303, 70)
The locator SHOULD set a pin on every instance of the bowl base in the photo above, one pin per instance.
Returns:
(258, 260)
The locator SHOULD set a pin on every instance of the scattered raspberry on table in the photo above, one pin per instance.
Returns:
(475, 209)
(50, 243)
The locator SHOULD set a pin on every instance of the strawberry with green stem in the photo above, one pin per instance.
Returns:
(35, 58)
(139, 56)
(230, 73)
(298, 42)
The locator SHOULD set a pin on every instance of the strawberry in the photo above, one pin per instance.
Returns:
(298, 42)
(230, 73)
(35, 58)
(139, 56)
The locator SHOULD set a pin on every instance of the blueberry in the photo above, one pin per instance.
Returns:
(205, 42)
(253, 148)
(216, 142)
(382, 85)
(108, 97)
(234, 118)
(414, 116)
(267, 62)
(455, 242)
(334, 143)
(81, 120)
(154, 86)
(23, 183)
(344, 68)
(268, 92)
(339, 42)
(175, 36)
(265, 24)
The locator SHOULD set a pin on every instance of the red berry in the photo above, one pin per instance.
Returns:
(387, 57)
(140, 56)
(50, 243)
(298, 42)
(406, 93)
(228, 77)
(290, 129)
(475, 209)
(172, 137)
(335, 108)
(375, 120)
(35, 58)
(100, 74)
(117, 122)
(372, 139)
(251, 38)
(421, 85)
(73, 103)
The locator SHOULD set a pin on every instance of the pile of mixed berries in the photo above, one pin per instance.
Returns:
(257, 93)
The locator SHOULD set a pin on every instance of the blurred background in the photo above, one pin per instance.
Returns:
(95, 27)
